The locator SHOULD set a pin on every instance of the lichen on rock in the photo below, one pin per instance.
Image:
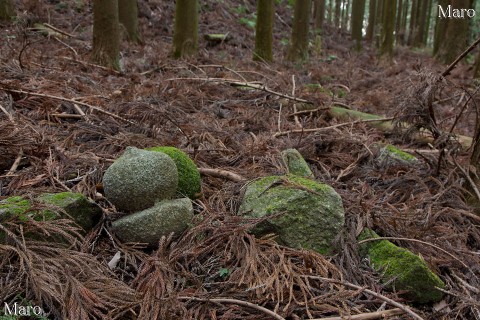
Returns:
(149, 225)
(310, 216)
(189, 181)
(389, 154)
(401, 269)
(139, 178)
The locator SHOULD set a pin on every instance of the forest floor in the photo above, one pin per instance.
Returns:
(66, 119)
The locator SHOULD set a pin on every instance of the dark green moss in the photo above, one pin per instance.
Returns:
(401, 269)
(189, 182)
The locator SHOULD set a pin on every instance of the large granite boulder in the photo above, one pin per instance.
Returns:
(310, 216)
(149, 225)
(139, 178)
(401, 269)
(189, 182)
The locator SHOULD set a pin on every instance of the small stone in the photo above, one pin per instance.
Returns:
(391, 155)
(149, 225)
(296, 164)
(311, 213)
(139, 178)
(401, 269)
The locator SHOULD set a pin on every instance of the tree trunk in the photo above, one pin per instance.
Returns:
(372, 9)
(128, 16)
(427, 23)
(185, 35)
(388, 29)
(106, 33)
(413, 22)
(440, 28)
(318, 15)
(358, 11)
(398, 23)
(346, 12)
(456, 35)
(264, 31)
(421, 20)
(7, 10)
(379, 22)
(338, 12)
(299, 45)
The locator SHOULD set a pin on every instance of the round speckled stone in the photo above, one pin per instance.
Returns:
(139, 178)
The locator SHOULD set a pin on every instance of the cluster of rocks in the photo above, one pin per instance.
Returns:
(154, 187)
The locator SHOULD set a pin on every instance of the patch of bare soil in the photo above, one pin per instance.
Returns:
(64, 120)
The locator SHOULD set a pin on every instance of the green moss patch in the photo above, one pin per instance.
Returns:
(189, 181)
(401, 270)
(390, 153)
(311, 213)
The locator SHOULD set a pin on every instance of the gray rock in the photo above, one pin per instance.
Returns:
(149, 225)
(139, 178)
(401, 269)
(296, 164)
(390, 155)
(312, 213)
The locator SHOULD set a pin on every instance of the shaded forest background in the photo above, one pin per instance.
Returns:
(67, 114)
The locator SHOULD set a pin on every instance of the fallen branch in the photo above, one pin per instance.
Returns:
(237, 302)
(71, 101)
(370, 292)
(245, 84)
(283, 133)
(15, 164)
(368, 316)
(219, 173)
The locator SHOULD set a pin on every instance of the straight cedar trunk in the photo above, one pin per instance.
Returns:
(106, 33)
(413, 22)
(128, 16)
(440, 28)
(388, 28)
(299, 44)
(338, 13)
(346, 12)
(318, 15)
(372, 9)
(330, 11)
(398, 23)
(7, 10)
(358, 11)
(420, 26)
(379, 22)
(456, 35)
(264, 31)
(427, 23)
(185, 35)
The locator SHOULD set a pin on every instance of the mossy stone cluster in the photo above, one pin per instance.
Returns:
(401, 269)
(189, 182)
(311, 213)
(139, 178)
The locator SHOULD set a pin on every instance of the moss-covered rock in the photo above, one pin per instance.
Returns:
(139, 178)
(390, 154)
(295, 163)
(189, 182)
(312, 213)
(84, 212)
(149, 225)
(401, 269)
(75, 206)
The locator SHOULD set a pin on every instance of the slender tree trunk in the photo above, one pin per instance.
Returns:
(338, 12)
(185, 35)
(403, 27)
(106, 33)
(264, 31)
(421, 23)
(299, 44)
(388, 29)
(128, 17)
(413, 22)
(372, 9)
(440, 28)
(318, 15)
(427, 23)
(7, 10)
(456, 35)
(358, 11)
(346, 12)
(398, 23)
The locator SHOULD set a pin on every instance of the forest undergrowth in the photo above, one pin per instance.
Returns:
(64, 120)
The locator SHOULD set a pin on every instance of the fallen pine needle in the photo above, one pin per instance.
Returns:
(368, 316)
